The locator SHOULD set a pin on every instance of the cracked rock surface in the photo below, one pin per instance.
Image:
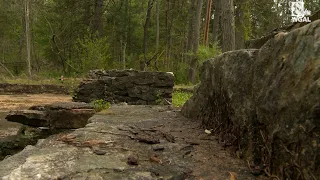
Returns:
(128, 142)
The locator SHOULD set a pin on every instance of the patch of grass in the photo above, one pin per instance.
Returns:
(100, 105)
(184, 86)
(179, 98)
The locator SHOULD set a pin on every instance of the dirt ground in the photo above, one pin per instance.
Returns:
(23, 101)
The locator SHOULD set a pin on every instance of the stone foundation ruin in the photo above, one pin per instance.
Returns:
(130, 86)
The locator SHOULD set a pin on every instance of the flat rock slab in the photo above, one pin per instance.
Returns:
(66, 115)
(29, 117)
(116, 145)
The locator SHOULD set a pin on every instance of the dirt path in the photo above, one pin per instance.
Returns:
(23, 101)
(129, 142)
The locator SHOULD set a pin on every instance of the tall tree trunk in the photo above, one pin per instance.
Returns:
(123, 47)
(197, 24)
(192, 10)
(227, 23)
(87, 14)
(207, 25)
(157, 26)
(157, 31)
(28, 36)
(145, 35)
(216, 21)
(167, 57)
(97, 22)
(239, 24)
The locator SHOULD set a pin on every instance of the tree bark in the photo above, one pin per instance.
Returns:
(28, 36)
(191, 25)
(216, 21)
(157, 26)
(145, 35)
(194, 60)
(87, 14)
(227, 22)
(207, 25)
(239, 24)
(97, 25)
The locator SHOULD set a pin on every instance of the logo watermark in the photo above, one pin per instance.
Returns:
(298, 12)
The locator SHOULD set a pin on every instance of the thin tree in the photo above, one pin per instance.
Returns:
(28, 36)
(227, 24)
(97, 22)
(143, 63)
(216, 21)
(196, 35)
(206, 29)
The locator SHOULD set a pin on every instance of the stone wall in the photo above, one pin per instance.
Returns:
(266, 103)
(133, 87)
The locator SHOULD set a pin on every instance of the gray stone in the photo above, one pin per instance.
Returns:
(130, 86)
(29, 117)
(266, 102)
(112, 145)
(69, 115)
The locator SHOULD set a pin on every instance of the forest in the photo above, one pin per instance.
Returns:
(50, 38)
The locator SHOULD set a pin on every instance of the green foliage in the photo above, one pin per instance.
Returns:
(93, 53)
(180, 73)
(180, 97)
(100, 105)
(159, 99)
(64, 39)
(204, 53)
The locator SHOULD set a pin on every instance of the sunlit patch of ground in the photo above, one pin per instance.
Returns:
(20, 102)
(24, 101)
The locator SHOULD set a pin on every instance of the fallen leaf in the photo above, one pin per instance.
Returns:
(232, 176)
(154, 158)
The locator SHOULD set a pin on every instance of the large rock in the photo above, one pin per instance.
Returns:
(266, 103)
(68, 115)
(133, 87)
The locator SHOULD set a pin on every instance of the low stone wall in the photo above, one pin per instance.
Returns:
(266, 103)
(6, 88)
(133, 87)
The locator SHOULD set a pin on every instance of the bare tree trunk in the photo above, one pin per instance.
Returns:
(207, 25)
(145, 35)
(191, 25)
(123, 47)
(239, 24)
(97, 25)
(228, 31)
(28, 36)
(87, 14)
(158, 26)
(194, 61)
(216, 21)
(22, 36)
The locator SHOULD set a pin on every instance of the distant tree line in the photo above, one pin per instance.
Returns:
(55, 37)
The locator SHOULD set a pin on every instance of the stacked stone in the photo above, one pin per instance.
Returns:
(130, 86)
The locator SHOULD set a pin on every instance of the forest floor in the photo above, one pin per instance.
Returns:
(153, 142)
